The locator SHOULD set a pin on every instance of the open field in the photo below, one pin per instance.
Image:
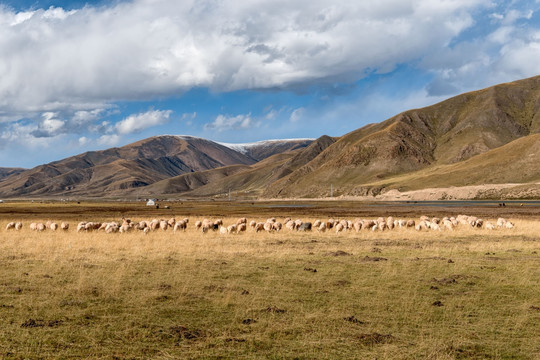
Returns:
(463, 294)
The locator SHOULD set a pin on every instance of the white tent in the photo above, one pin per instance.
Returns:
(151, 202)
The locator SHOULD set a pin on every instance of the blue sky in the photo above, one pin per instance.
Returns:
(87, 75)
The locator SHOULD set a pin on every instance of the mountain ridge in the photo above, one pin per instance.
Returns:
(481, 136)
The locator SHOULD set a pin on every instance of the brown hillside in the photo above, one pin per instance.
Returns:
(5, 172)
(248, 179)
(449, 132)
(515, 162)
(144, 162)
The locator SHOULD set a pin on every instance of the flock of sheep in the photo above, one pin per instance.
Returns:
(272, 225)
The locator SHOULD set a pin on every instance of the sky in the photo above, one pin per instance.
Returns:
(77, 75)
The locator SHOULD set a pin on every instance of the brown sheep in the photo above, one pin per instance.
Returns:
(10, 226)
(241, 228)
(259, 227)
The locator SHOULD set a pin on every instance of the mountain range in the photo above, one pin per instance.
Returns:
(490, 136)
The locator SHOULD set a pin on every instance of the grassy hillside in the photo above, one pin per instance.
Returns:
(516, 162)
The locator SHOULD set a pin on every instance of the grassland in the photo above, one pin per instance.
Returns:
(467, 294)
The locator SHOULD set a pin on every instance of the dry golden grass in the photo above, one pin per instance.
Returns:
(467, 294)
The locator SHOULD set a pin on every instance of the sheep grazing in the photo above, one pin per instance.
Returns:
(198, 225)
(277, 226)
(10, 226)
(113, 227)
(381, 225)
(171, 222)
(124, 228)
(489, 226)
(259, 227)
(180, 225)
(422, 225)
(18, 225)
(447, 224)
(232, 228)
(241, 228)
(146, 230)
(163, 225)
(271, 220)
(501, 222)
(268, 226)
(304, 227)
(357, 226)
(53, 226)
(241, 221)
(222, 230)
(410, 223)
(316, 224)
(218, 222)
(252, 224)
(81, 226)
(40, 227)
(321, 227)
(33, 226)
(339, 228)
(509, 225)
(291, 225)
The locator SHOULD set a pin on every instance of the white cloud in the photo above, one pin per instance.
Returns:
(56, 60)
(297, 114)
(225, 122)
(83, 140)
(138, 122)
(189, 116)
(108, 140)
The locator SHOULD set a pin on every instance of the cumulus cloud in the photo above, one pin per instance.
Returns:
(85, 59)
(108, 140)
(225, 122)
(50, 126)
(138, 122)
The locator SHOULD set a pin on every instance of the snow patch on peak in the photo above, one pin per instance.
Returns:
(244, 147)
